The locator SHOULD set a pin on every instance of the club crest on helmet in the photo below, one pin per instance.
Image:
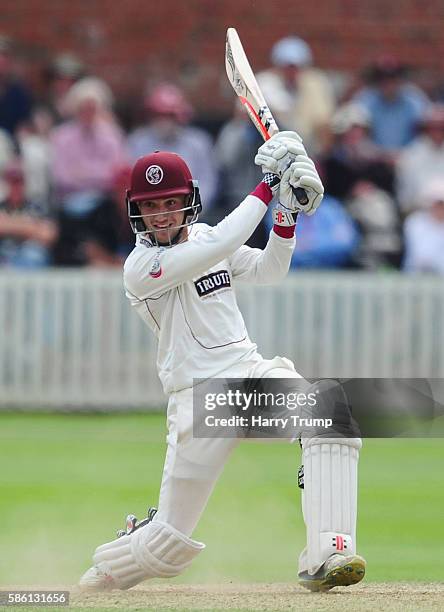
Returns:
(154, 174)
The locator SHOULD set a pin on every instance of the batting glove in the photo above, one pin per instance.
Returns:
(277, 153)
(301, 173)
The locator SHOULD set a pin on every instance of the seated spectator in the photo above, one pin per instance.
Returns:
(424, 232)
(353, 156)
(101, 237)
(34, 149)
(86, 150)
(6, 149)
(26, 234)
(327, 239)
(300, 96)
(395, 105)
(235, 147)
(168, 129)
(422, 161)
(356, 171)
(15, 96)
(64, 70)
(375, 214)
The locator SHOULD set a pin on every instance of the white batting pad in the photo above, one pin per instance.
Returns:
(156, 550)
(329, 499)
(163, 549)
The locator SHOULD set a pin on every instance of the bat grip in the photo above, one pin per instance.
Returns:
(300, 194)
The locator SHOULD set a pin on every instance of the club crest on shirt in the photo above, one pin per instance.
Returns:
(156, 268)
(212, 282)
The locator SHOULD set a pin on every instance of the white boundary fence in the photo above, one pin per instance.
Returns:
(68, 338)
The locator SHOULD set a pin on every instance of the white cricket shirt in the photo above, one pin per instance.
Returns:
(186, 297)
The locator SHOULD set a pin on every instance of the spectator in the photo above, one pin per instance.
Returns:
(396, 106)
(356, 171)
(124, 235)
(15, 97)
(34, 147)
(325, 240)
(64, 70)
(375, 214)
(300, 96)
(87, 149)
(353, 156)
(424, 232)
(422, 161)
(168, 129)
(236, 146)
(6, 149)
(26, 234)
(103, 236)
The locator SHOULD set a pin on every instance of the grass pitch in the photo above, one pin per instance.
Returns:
(68, 481)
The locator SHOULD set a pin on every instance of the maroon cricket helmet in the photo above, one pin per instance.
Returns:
(161, 175)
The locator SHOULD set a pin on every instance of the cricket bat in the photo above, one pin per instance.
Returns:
(244, 83)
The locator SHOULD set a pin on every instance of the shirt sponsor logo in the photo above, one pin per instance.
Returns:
(212, 282)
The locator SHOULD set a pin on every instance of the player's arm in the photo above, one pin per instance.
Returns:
(267, 266)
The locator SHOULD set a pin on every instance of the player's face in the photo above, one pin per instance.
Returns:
(165, 215)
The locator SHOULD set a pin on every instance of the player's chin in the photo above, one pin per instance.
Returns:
(166, 237)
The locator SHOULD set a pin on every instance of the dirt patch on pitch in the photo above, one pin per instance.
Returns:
(250, 597)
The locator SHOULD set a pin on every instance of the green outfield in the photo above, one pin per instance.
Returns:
(67, 482)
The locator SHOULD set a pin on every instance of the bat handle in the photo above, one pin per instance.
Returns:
(301, 194)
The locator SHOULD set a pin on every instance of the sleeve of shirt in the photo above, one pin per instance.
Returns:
(266, 266)
(150, 272)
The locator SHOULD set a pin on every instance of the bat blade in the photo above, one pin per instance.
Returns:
(244, 83)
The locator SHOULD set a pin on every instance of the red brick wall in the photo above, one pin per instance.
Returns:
(130, 41)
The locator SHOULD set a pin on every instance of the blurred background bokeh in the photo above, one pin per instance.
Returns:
(88, 86)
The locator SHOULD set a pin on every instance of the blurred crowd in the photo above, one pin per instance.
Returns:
(377, 139)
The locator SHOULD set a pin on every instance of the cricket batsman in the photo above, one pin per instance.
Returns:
(179, 278)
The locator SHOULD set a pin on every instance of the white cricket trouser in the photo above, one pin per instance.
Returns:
(193, 465)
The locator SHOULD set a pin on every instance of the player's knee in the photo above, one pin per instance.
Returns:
(330, 416)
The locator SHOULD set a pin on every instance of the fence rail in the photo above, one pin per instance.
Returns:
(68, 339)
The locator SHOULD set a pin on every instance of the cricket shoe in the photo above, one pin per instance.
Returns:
(338, 570)
(96, 579)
